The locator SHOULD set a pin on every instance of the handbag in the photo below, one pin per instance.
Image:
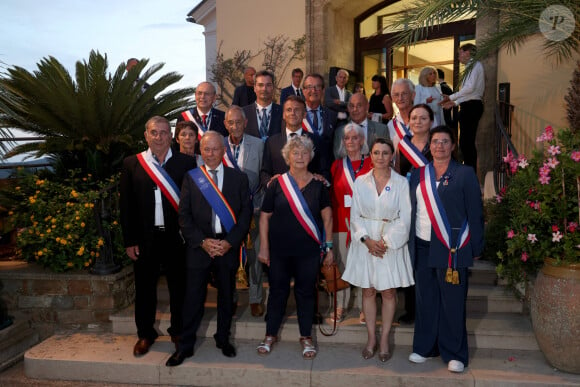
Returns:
(331, 281)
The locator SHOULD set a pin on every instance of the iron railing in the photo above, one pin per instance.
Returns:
(503, 143)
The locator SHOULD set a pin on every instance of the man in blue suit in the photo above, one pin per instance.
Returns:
(294, 88)
(264, 116)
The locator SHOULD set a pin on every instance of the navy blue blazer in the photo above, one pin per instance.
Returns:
(244, 95)
(286, 92)
(461, 199)
(253, 129)
(216, 122)
(324, 147)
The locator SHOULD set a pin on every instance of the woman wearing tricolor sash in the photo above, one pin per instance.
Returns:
(295, 228)
(446, 236)
(353, 162)
(378, 258)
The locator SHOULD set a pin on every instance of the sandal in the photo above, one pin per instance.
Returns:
(265, 346)
(308, 348)
(339, 316)
(369, 353)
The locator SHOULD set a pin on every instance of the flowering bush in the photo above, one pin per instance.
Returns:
(541, 201)
(55, 221)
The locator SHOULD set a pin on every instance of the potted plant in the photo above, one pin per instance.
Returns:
(543, 238)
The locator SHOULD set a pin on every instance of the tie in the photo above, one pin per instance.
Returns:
(298, 92)
(293, 134)
(264, 123)
(315, 120)
(213, 215)
(204, 121)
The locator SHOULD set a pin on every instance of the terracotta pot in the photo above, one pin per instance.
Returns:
(555, 312)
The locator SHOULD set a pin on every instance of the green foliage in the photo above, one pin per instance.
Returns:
(541, 207)
(91, 121)
(56, 223)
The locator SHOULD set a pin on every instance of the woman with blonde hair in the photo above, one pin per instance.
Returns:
(428, 92)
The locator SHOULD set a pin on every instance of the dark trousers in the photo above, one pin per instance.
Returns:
(195, 295)
(469, 114)
(304, 269)
(162, 249)
(440, 316)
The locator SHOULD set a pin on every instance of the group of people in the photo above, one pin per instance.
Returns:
(296, 186)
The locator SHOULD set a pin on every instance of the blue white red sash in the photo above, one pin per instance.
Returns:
(412, 153)
(214, 197)
(348, 172)
(307, 126)
(188, 116)
(229, 158)
(299, 206)
(438, 216)
(161, 178)
(401, 130)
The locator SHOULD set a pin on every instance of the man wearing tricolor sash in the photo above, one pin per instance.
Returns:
(403, 94)
(214, 216)
(204, 115)
(150, 183)
(446, 236)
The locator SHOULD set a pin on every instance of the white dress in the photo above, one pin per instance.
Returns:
(424, 92)
(367, 217)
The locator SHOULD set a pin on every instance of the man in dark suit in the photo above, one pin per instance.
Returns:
(244, 94)
(213, 238)
(273, 163)
(264, 116)
(448, 114)
(150, 228)
(294, 88)
(336, 97)
(205, 116)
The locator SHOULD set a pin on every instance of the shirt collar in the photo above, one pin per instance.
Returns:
(298, 132)
(151, 157)
(260, 107)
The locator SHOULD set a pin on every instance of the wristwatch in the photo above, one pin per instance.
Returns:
(364, 238)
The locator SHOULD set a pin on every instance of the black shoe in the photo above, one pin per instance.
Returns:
(178, 357)
(227, 348)
(406, 319)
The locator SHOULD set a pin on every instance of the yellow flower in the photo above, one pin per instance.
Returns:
(39, 182)
(96, 254)
(39, 253)
(63, 242)
(17, 188)
(81, 251)
(83, 224)
(115, 223)
(57, 239)
(32, 200)
(100, 242)
(86, 263)
(66, 226)
(69, 264)
(74, 194)
(42, 235)
(77, 217)
(10, 213)
(48, 231)
(53, 220)
(53, 226)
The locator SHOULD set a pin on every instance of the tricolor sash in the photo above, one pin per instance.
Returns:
(402, 130)
(229, 158)
(438, 216)
(214, 197)
(412, 153)
(188, 116)
(307, 126)
(300, 207)
(161, 178)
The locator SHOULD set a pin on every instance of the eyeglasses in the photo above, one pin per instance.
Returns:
(313, 87)
(235, 122)
(444, 142)
(400, 95)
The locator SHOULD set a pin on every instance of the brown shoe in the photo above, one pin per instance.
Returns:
(142, 347)
(257, 310)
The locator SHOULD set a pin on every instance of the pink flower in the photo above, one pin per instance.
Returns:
(572, 226)
(552, 162)
(544, 170)
(523, 163)
(575, 156)
(511, 234)
(554, 150)
(556, 236)
(513, 166)
(555, 227)
(544, 179)
(525, 256)
(549, 133)
(532, 238)
(509, 157)
(498, 198)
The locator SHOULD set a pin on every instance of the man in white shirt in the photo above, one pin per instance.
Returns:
(469, 99)
(264, 116)
(336, 97)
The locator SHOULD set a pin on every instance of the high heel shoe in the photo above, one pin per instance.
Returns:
(367, 354)
(384, 357)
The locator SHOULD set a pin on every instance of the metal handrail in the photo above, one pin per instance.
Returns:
(503, 143)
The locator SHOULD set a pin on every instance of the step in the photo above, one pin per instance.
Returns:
(15, 340)
(107, 358)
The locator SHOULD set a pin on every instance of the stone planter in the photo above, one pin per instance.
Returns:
(555, 313)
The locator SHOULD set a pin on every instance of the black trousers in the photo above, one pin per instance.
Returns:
(469, 114)
(304, 269)
(224, 271)
(161, 250)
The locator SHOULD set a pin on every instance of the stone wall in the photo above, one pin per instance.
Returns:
(62, 299)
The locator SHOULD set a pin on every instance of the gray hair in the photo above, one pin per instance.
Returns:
(297, 142)
(404, 81)
(235, 108)
(359, 130)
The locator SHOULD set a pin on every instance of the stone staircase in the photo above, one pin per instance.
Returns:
(503, 351)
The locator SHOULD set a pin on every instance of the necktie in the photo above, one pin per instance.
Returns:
(264, 123)
(315, 125)
(204, 121)
(214, 177)
(298, 92)
(293, 134)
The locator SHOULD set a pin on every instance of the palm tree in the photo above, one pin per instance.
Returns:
(518, 21)
(91, 122)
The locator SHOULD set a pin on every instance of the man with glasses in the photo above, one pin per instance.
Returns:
(204, 115)
(149, 200)
(264, 116)
(358, 108)
(403, 95)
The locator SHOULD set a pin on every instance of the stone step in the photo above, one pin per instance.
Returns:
(101, 359)
(15, 340)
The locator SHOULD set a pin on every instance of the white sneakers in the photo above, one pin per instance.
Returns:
(416, 358)
(455, 366)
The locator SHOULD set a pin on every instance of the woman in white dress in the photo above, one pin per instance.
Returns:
(378, 257)
(428, 92)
